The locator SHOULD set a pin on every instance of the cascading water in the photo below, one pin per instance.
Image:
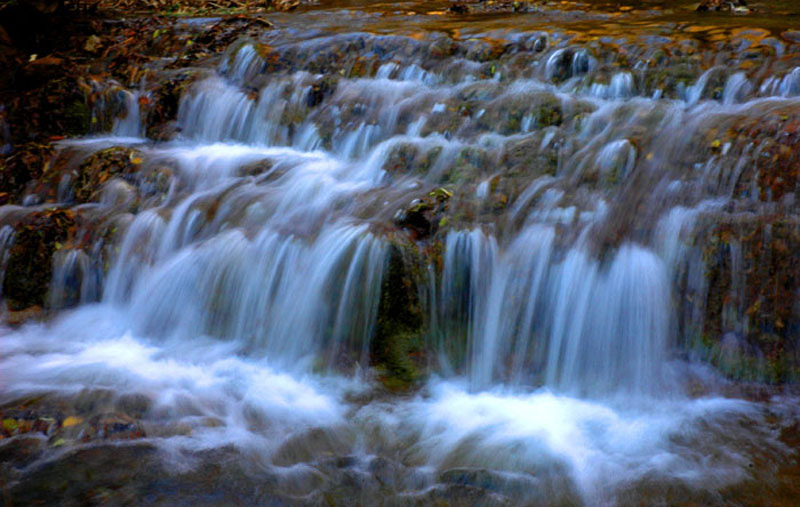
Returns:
(243, 301)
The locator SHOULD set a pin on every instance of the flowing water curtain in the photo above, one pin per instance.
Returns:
(522, 311)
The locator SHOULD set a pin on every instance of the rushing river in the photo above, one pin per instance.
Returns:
(239, 307)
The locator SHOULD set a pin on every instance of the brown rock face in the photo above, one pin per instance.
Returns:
(30, 264)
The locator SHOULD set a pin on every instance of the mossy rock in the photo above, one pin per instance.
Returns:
(401, 158)
(77, 118)
(526, 157)
(398, 343)
(469, 166)
(100, 167)
(30, 265)
(760, 316)
(507, 114)
(163, 110)
(322, 89)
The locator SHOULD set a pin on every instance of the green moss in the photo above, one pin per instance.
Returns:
(525, 157)
(401, 158)
(398, 344)
(77, 118)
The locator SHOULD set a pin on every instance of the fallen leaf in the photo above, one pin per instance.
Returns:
(71, 421)
(92, 43)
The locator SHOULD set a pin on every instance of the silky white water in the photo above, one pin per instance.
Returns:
(242, 302)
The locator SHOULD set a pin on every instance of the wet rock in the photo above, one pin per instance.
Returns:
(737, 6)
(100, 167)
(750, 318)
(300, 481)
(459, 8)
(31, 313)
(458, 495)
(445, 122)
(320, 90)
(398, 342)
(134, 405)
(567, 63)
(665, 491)
(77, 473)
(311, 445)
(384, 471)
(533, 155)
(90, 401)
(162, 107)
(154, 185)
(78, 429)
(23, 421)
(423, 215)
(118, 194)
(20, 451)
(401, 158)
(467, 167)
(29, 267)
(27, 163)
(479, 478)
(164, 132)
(540, 44)
(256, 168)
(114, 427)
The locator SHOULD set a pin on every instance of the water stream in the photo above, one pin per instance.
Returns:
(242, 303)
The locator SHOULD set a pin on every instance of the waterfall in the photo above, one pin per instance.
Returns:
(75, 280)
(262, 241)
(130, 124)
(579, 325)
(560, 223)
(6, 242)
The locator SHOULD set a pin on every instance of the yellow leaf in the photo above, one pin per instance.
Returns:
(72, 421)
(59, 442)
(10, 424)
(92, 43)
